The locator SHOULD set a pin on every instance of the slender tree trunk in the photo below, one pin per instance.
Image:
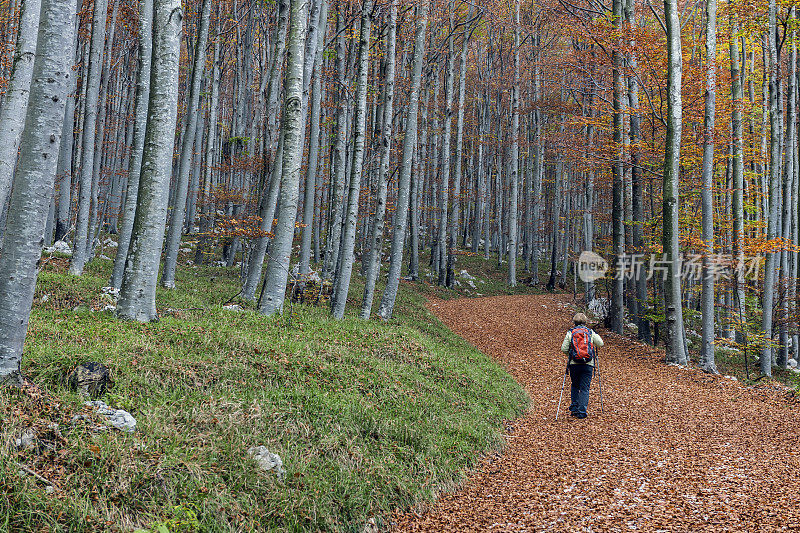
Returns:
(137, 298)
(514, 177)
(615, 318)
(206, 201)
(338, 164)
(707, 340)
(345, 270)
(737, 168)
(774, 186)
(139, 130)
(92, 81)
(376, 244)
(444, 192)
(673, 308)
(178, 212)
(293, 126)
(313, 147)
(65, 153)
(788, 202)
(406, 165)
(269, 195)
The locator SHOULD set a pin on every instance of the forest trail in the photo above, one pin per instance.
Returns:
(674, 450)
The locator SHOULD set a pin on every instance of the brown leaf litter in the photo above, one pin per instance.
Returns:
(674, 450)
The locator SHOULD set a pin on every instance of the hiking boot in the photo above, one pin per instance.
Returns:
(580, 416)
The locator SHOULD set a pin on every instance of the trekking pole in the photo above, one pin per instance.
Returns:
(599, 380)
(563, 382)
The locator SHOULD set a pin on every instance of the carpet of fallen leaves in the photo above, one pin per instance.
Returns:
(674, 450)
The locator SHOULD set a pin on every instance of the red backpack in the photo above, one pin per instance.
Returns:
(581, 349)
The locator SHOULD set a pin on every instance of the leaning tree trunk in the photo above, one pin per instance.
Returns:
(182, 182)
(139, 129)
(673, 309)
(137, 297)
(375, 246)
(33, 187)
(406, 165)
(92, 80)
(15, 103)
(707, 304)
(293, 126)
(342, 283)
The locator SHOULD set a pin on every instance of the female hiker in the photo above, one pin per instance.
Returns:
(579, 344)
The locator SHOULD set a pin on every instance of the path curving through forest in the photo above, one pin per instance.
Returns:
(675, 449)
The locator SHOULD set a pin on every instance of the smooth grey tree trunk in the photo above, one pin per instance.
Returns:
(313, 146)
(538, 170)
(338, 170)
(15, 102)
(139, 130)
(444, 191)
(406, 164)
(737, 169)
(206, 203)
(765, 361)
(178, 212)
(514, 175)
(455, 217)
(707, 303)
(376, 237)
(33, 189)
(64, 172)
(88, 143)
(345, 270)
(137, 297)
(673, 308)
(615, 317)
(293, 130)
(269, 195)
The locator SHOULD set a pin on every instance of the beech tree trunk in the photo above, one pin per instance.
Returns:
(673, 307)
(92, 101)
(33, 187)
(293, 126)
(15, 102)
(345, 270)
(178, 212)
(707, 304)
(406, 165)
(139, 131)
(137, 297)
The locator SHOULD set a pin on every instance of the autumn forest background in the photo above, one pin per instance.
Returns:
(242, 210)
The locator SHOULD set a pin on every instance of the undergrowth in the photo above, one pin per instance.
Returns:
(368, 416)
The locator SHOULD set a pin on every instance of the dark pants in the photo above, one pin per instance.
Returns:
(581, 376)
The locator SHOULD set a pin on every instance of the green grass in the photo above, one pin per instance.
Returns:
(368, 417)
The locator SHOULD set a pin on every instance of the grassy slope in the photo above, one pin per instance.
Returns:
(367, 416)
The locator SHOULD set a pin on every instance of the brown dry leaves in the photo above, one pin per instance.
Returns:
(675, 449)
